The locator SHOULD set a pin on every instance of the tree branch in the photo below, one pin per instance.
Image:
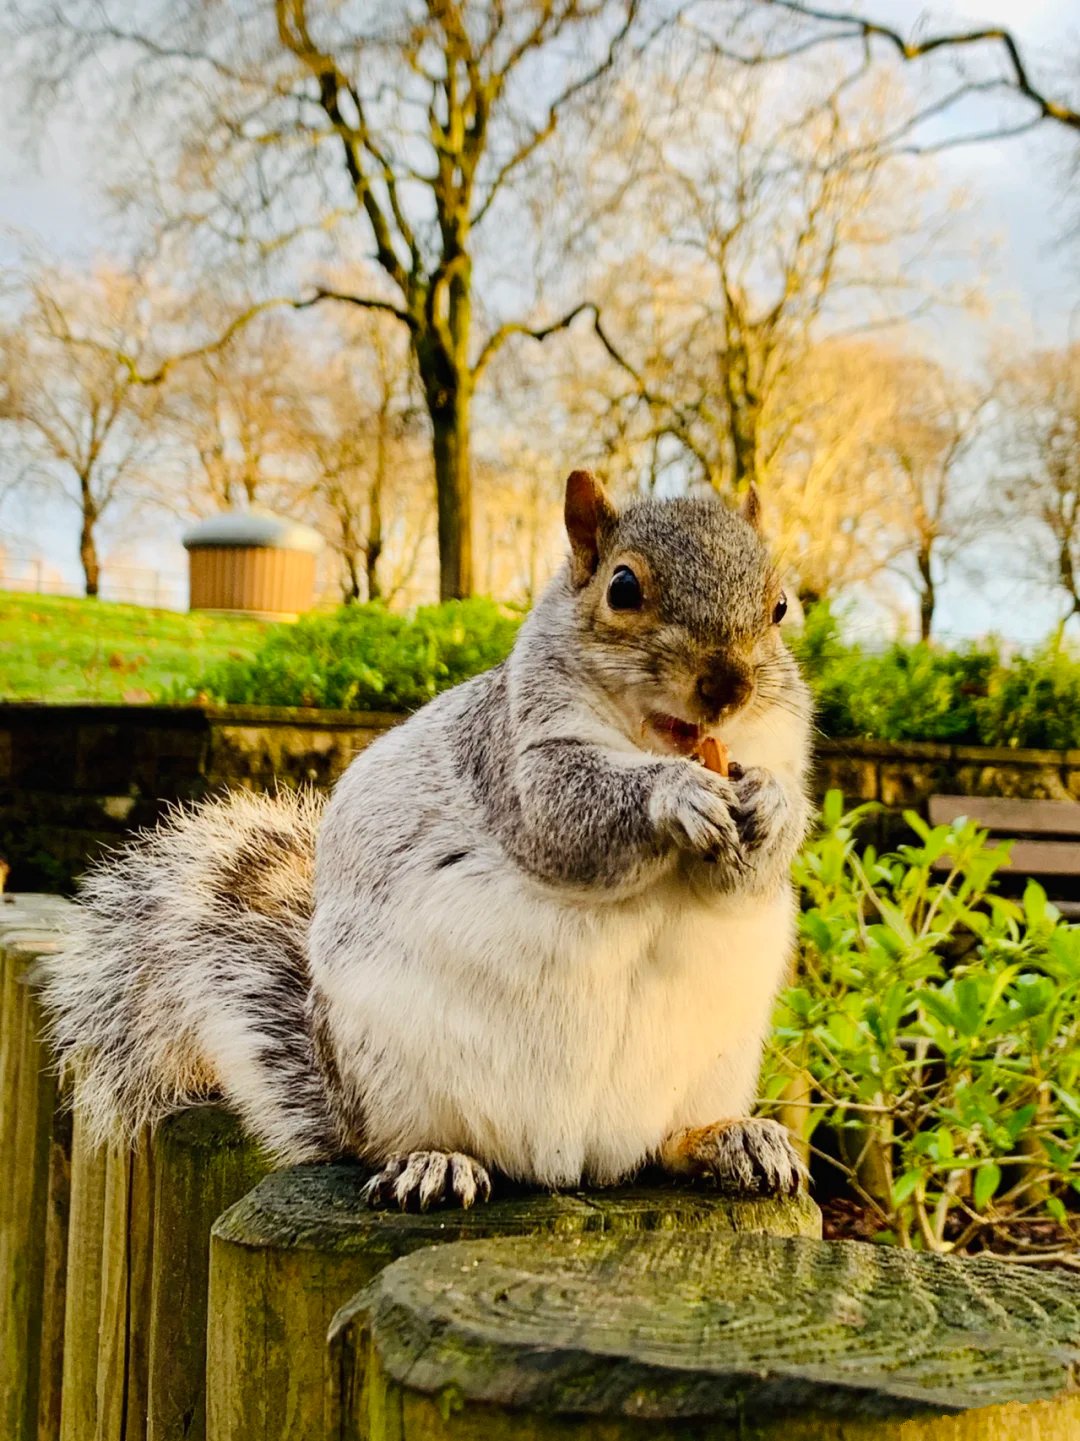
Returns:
(1021, 82)
(547, 129)
(516, 327)
(294, 35)
(158, 375)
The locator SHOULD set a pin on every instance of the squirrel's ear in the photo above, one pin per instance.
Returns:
(589, 513)
(750, 510)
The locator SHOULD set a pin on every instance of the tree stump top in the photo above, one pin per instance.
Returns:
(319, 1208)
(768, 1334)
(31, 917)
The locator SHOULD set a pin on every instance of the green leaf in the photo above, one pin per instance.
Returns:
(832, 809)
(987, 1180)
(1034, 904)
(905, 1187)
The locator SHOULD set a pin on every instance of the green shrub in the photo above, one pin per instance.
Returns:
(932, 1037)
(1034, 701)
(970, 696)
(366, 658)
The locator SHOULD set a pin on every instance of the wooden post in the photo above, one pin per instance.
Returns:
(33, 1180)
(127, 1245)
(203, 1164)
(678, 1336)
(287, 1256)
(82, 1313)
(135, 1329)
(104, 1253)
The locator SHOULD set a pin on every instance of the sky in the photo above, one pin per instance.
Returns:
(1015, 202)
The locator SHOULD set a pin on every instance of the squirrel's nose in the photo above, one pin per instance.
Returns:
(724, 686)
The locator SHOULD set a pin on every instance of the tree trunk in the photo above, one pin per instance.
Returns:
(371, 564)
(374, 547)
(927, 595)
(744, 412)
(744, 449)
(449, 409)
(88, 551)
(351, 588)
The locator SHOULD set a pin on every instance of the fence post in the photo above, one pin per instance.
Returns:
(135, 1327)
(127, 1245)
(203, 1164)
(33, 1179)
(82, 1313)
(289, 1254)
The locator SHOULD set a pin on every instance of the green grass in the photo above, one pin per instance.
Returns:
(56, 649)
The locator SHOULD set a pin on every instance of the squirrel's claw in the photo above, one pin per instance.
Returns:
(747, 1157)
(418, 1180)
(694, 807)
(762, 808)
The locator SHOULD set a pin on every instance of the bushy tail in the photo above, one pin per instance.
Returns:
(185, 975)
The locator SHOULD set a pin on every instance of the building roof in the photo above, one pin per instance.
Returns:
(253, 529)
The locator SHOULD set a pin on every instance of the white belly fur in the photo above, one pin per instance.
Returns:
(551, 1039)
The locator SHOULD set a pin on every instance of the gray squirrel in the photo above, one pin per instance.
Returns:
(530, 934)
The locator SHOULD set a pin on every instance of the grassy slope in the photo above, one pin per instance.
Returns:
(56, 649)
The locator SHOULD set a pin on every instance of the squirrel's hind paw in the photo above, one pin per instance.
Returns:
(418, 1180)
(749, 1157)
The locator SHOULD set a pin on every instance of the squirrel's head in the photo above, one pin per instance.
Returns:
(679, 605)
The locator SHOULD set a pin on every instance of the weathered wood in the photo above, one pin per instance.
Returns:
(1008, 817)
(1044, 858)
(32, 1172)
(54, 1278)
(127, 1242)
(696, 1335)
(82, 1312)
(203, 1164)
(135, 1327)
(287, 1256)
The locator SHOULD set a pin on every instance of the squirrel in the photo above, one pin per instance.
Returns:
(529, 935)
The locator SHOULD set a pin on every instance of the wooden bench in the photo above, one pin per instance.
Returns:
(1046, 836)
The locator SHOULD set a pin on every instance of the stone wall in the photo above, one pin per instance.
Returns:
(75, 780)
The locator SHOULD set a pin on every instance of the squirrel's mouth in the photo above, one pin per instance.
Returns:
(683, 736)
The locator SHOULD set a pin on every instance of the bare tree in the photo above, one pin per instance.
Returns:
(239, 413)
(933, 426)
(1040, 401)
(771, 223)
(412, 121)
(830, 508)
(369, 449)
(86, 428)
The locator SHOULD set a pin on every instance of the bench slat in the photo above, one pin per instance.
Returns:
(1036, 858)
(1055, 818)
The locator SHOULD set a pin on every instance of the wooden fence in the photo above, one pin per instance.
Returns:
(176, 1291)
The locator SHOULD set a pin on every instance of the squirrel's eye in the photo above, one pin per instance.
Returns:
(779, 609)
(624, 589)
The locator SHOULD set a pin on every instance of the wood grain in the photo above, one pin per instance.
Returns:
(32, 1175)
(706, 1335)
(1008, 817)
(203, 1164)
(287, 1256)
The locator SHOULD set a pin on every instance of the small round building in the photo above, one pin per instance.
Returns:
(254, 562)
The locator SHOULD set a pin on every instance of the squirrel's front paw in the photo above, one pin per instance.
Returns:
(752, 1157)
(761, 808)
(418, 1180)
(695, 809)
